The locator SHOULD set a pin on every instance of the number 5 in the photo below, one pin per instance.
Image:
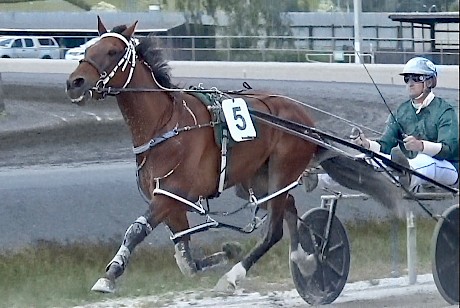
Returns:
(237, 117)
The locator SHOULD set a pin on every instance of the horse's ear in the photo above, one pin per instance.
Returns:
(130, 30)
(100, 26)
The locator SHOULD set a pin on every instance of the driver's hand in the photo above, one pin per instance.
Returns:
(413, 144)
(357, 137)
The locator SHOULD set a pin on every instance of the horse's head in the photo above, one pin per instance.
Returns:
(108, 63)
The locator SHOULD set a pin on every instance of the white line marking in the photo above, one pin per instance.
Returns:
(98, 118)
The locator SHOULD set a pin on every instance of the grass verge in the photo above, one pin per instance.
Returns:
(50, 274)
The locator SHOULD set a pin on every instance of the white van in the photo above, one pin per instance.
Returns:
(78, 53)
(38, 47)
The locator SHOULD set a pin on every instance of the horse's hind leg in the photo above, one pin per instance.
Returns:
(304, 261)
(273, 235)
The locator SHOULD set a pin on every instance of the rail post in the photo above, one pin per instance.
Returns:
(411, 248)
(2, 103)
(395, 248)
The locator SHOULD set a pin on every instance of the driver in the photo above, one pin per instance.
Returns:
(425, 128)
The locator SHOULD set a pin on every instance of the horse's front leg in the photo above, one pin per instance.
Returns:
(274, 233)
(134, 235)
(159, 211)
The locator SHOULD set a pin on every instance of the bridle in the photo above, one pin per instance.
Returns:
(128, 57)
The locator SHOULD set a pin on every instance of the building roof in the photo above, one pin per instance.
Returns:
(426, 18)
(87, 21)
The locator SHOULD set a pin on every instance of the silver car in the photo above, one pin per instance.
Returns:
(38, 47)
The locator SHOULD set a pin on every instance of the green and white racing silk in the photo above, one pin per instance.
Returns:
(437, 122)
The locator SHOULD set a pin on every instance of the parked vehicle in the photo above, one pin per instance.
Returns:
(39, 47)
(78, 53)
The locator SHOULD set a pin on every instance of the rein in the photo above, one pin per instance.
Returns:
(101, 87)
(131, 57)
(115, 91)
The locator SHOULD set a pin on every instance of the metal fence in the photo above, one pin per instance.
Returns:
(303, 49)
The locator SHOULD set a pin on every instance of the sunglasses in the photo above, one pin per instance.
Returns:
(415, 78)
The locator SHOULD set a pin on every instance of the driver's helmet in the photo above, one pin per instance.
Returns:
(421, 66)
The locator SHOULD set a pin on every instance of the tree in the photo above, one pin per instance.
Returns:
(246, 18)
(399, 5)
(193, 12)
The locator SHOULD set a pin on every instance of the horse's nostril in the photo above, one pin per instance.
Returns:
(78, 82)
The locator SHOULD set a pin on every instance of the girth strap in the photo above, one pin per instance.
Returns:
(223, 161)
(155, 141)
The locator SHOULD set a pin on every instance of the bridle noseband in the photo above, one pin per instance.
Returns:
(128, 57)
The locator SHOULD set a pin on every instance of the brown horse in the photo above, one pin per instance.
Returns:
(180, 163)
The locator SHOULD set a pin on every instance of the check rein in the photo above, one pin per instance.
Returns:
(128, 60)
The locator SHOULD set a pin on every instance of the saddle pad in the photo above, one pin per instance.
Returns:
(216, 115)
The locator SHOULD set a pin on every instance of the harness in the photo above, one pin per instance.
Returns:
(222, 137)
(130, 57)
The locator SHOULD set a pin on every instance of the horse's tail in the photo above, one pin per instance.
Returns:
(357, 174)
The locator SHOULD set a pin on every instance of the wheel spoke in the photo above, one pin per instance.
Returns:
(334, 269)
(317, 240)
(323, 279)
(448, 265)
(319, 235)
(332, 253)
(336, 246)
(449, 241)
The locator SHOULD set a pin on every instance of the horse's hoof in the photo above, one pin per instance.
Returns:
(224, 286)
(305, 262)
(227, 283)
(104, 285)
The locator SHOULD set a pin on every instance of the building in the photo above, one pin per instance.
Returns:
(387, 38)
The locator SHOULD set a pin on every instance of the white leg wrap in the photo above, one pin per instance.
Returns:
(229, 281)
(304, 261)
(236, 274)
(121, 257)
(133, 236)
(184, 260)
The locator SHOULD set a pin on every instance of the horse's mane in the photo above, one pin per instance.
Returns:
(149, 50)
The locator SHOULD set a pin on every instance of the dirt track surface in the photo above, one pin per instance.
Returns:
(381, 293)
(47, 129)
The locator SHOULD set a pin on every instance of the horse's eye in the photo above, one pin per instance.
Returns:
(112, 52)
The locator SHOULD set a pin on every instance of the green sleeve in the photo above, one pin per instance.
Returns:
(390, 136)
(448, 135)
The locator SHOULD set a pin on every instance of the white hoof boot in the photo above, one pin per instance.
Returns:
(104, 285)
(304, 261)
(229, 281)
(184, 260)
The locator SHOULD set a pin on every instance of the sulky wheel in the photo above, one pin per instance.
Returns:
(333, 265)
(445, 254)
